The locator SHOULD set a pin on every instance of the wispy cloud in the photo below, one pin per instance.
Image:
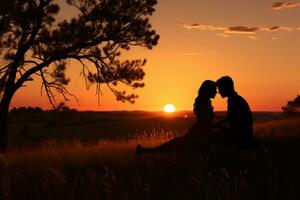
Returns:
(252, 37)
(285, 5)
(223, 35)
(227, 31)
(272, 29)
(202, 27)
(280, 28)
(242, 30)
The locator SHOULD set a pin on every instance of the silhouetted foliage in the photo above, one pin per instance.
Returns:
(33, 42)
(63, 108)
(292, 106)
(23, 109)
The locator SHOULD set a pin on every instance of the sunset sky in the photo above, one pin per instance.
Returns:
(256, 42)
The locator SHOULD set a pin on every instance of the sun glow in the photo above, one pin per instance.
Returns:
(169, 108)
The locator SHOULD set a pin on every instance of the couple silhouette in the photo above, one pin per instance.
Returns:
(235, 130)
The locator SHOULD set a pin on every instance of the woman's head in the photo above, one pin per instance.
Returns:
(202, 104)
(208, 89)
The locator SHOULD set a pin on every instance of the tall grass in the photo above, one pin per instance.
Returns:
(281, 128)
(110, 169)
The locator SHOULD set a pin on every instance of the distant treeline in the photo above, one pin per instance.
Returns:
(23, 110)
(292, 106)
(60, 115)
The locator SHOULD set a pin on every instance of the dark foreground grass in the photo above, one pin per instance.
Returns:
(111, 170)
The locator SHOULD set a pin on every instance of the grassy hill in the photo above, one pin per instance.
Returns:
(109, 169)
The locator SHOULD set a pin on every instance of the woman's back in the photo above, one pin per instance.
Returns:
(204, 114)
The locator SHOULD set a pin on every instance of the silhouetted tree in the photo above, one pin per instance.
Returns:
(63, 108)
(292, 106)
(24, 110)
(33, 42)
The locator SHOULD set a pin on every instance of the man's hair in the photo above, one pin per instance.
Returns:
(225, 82)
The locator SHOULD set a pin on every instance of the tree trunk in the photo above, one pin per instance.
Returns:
(3, 125)
(9, 90)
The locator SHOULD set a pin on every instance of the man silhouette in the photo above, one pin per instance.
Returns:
(239, 116)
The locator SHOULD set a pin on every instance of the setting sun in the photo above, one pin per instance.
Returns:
(169, 108)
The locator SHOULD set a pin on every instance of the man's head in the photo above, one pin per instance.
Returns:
(225, 86)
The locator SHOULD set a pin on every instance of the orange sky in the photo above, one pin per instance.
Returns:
(255, 44)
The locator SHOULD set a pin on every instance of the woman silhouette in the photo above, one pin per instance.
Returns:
(198, 134)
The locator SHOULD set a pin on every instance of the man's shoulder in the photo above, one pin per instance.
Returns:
(238, 99)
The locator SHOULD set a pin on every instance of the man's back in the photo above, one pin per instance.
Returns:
(240, 120)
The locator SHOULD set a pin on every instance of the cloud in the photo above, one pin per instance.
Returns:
(233, 29)
(202, 27)
(252, 37)
(242, 29)
(272, 29)
(285, 5)
(226, 32)
(223, 35)
(280, 28)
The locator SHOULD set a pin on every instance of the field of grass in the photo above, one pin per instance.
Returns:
(107, 168)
